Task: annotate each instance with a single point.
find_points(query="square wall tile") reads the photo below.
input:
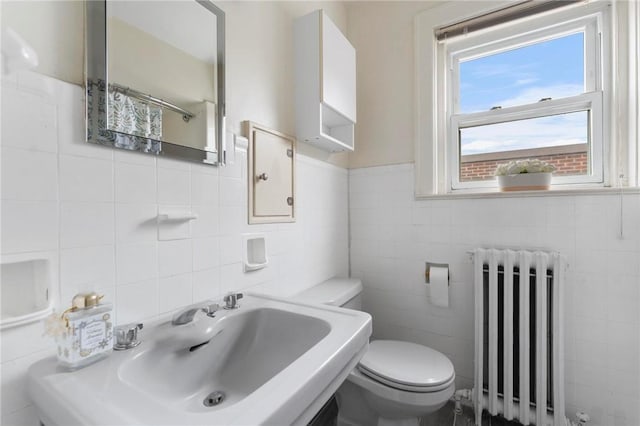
(174, 229)
(29, 175)
(204, 188)
(15, 396)
(136, 223)
(207, 223)
(175, 292)
(206, 253)
(135, 183)
(233, 192)
(87, 265)
(85, 179)
(234, 220)
(137, 301)
(231, 249)
(174, 257)
(170, 163)
(29, 226)
(20, 342)
(134, 157)
(86, 224)
(206, 285)
(174, 186)
(136, 262)
(29, 121)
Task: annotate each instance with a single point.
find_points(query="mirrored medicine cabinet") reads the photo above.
(155, 77)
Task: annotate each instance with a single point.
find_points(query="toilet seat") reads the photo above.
(407, 366)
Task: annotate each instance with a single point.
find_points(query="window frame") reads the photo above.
(620, 41)
(501, 39)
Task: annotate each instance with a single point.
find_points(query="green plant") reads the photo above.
(516, 167)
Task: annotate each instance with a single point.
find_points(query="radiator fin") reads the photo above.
(480, 258)
(508, 336)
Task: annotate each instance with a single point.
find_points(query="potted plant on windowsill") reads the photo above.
(524, 175)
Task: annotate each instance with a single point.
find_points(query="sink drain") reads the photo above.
(213, 399)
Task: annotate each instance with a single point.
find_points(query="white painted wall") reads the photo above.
(392, 236)
(55, 29)
(93, 210)
(382, 33)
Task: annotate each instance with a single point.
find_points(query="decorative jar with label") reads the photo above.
(87, 335)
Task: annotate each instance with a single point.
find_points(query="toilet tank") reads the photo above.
(343, 292)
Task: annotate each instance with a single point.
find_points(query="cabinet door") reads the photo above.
(338, 70)
(271, 171)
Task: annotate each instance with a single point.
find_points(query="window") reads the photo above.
(532, 95)
(539, 86)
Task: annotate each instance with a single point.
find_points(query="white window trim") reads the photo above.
(620, 150)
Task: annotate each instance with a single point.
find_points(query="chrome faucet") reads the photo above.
(186, 315)
(231, 300)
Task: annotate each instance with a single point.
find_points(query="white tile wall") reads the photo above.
(392, 236)
(95, 209)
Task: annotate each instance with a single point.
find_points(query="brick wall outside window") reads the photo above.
(568, 159)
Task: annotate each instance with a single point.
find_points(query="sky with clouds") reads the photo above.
(552, 69)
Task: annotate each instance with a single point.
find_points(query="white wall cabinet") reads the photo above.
(325, 83)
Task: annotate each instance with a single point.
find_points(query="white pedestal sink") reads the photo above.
(272, 361)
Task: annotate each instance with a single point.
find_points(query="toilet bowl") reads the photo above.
(395, 382)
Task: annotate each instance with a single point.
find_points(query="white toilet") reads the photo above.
(395, 382)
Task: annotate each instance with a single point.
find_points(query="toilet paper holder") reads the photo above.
(427, 271)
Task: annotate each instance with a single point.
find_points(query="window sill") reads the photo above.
(553, 192)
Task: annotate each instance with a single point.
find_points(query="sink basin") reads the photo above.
(246, 350)
(272, 361)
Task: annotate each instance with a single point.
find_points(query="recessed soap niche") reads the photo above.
(254, 248)
(27, 288)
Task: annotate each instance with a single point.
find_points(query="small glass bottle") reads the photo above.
(88, 332)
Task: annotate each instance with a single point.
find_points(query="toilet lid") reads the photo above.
(406, 365)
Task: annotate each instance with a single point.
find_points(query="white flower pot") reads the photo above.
(525, 182)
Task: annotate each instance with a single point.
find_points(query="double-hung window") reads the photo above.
(535, 94)
(535, 86)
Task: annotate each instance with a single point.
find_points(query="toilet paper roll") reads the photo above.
(439, 281)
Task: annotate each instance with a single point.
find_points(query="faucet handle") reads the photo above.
(231, 300)
(127, 336)
(211, 310)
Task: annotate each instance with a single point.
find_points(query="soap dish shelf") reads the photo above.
(176, 217)
(254, 252)
(28, 286)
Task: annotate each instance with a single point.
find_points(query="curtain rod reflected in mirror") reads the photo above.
(155, 77)
(128, 91)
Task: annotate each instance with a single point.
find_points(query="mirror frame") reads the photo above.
(96, 70)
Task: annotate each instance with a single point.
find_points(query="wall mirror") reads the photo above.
(155, 77)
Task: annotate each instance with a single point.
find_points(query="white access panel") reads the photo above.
(270, 175)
